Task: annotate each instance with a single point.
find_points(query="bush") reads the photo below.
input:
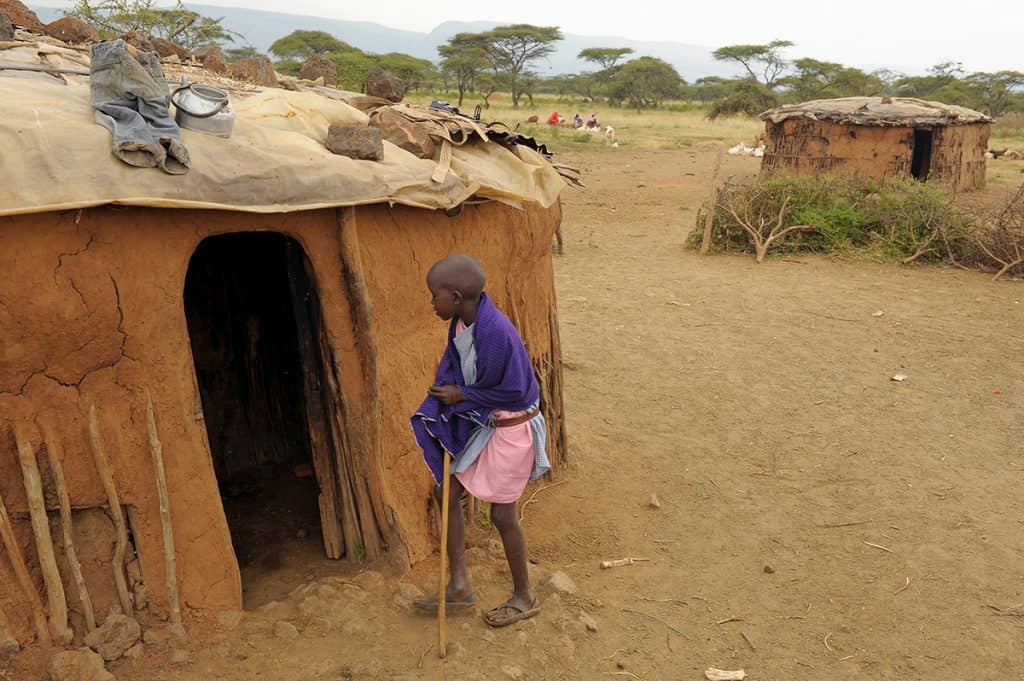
(897, 219)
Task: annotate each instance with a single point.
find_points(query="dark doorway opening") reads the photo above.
(250, 304)
(921, 161)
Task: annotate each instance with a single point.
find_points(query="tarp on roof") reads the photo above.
(880, 111)
(53, 156)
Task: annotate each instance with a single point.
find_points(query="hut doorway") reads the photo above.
(921, 161)
(253, 316)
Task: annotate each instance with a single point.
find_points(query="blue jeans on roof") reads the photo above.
(131, 99)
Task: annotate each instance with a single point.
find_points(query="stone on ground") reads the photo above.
(166, 48)
(212, 58)
(513, 672)
(405, 134)
(78, 665)
(286, 631)
(258, 70)
(562, 583)
(317, 66)
(113, 639)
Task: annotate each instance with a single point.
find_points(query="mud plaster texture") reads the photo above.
(91, 312)
(799, 146)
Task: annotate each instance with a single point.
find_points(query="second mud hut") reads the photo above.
(878, 138)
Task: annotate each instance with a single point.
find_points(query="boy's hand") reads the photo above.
(448, 394)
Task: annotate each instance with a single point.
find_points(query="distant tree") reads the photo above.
(764, 63)
(746, 96)
(300, 44)
(236, 53)
(416, 73)
(352, 65)
(114, 18)
(996, 93)
(709, 88)
(463, 58)
(814, 79)
(646, 81)
(513, 50)
(605, 57)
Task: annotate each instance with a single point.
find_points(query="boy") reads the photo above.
(483, 409)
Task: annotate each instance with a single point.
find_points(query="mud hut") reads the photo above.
(878, 138)
(261, 322)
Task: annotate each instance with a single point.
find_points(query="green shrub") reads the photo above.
(894, 220)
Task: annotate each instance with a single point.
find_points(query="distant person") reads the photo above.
(592, 122)
(554, 118)
(577, 121)
(484, 411)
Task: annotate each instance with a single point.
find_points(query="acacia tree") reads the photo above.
(814, 79)
(512, 51)
(114, 18)
(645, 82)
(300, 44)
(996, 93)
(463, 58)
(605, 57)
(761, 62)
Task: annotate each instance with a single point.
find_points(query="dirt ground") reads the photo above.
(817, 519)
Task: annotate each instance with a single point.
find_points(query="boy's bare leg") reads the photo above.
(459, 588)
(505, 519)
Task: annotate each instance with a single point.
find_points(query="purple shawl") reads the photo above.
(504, 380)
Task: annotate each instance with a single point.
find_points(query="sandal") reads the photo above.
(429, 602)
(512, 613)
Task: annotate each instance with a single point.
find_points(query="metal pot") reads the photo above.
(203, 108)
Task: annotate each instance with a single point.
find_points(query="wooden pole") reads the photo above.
(709, 219)
(442, 580)
(170, 559)
(57, 604)
(21, 574)
(66, 527)
(114, 501)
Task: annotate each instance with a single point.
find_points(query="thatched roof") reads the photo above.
(55, 156)
(878, 111)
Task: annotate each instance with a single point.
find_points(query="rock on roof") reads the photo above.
(878, 111)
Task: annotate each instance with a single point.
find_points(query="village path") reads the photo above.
(817, 520)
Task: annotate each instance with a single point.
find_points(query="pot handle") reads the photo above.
(216, 110)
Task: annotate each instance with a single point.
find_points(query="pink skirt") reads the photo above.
(500, 473)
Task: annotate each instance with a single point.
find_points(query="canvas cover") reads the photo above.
(53, 156)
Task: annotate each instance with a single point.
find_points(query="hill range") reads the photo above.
(261, 29)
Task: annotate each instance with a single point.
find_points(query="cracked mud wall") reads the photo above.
(91, 312)
(398, 246)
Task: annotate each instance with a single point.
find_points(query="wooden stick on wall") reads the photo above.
(170, 560)
(67, 529)
(21, 574)
(56, 600)
(103, 469)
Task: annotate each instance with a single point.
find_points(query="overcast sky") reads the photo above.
(904, 36)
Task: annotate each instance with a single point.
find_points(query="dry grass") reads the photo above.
(653, 129)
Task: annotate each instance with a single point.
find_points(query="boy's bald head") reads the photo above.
(461, 272)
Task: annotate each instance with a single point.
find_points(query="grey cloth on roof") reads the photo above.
(131, 99)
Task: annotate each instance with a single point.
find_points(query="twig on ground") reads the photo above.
(844, 659)
(626, 674)
(622, 562)
(903, 588)
(1013, 611)
(423, 656)
(747, 639)
(663, 600)
(879, 546)
(655, 618)
(825, 641)
(522, 510)
(849, 524)
(729, 619)
(620, 650)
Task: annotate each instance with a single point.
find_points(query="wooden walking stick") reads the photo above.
(21, 574)
(442, 580)
(55, 598)
(66, 528)
(170, 564)
(103, 469)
